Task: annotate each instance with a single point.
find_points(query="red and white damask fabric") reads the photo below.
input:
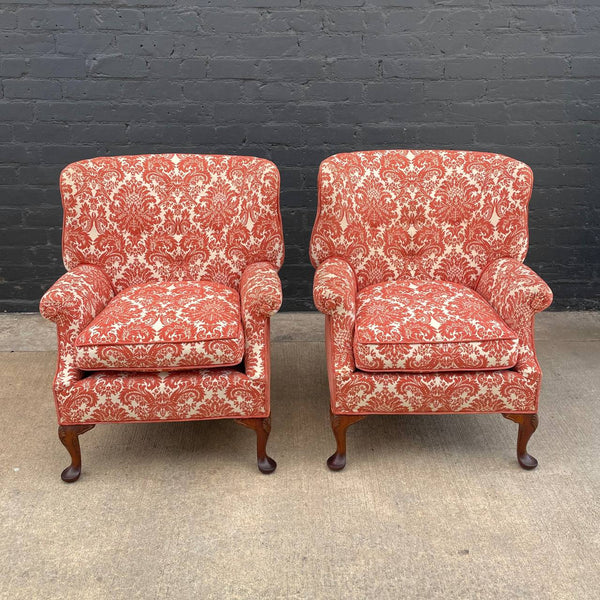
(515, 291)
(517, 294)
(429, 326)
(72, 303)
(420, 393)
(190, 394)
(335, 295)
(260, 291)
(426, 215)
(335, 287)
(169, 325)
(155, 218)
(135, 220)
(358, 392)
(78, 296)
(110, 397)
(421, 214)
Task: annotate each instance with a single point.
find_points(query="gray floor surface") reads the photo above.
(428, 506)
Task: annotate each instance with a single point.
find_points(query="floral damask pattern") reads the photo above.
(157, 247)
(429, 326)
(168, 217)
(169, 325)
(110, 397)
(260, 290)
(515, 291)
(421, 214)
(455, 217)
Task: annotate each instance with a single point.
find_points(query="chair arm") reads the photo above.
(260, 290)
(515, 291)
(72, 303)
(78, 296)
(260, 297)
(334, 289)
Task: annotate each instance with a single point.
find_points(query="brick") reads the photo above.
(122, 19)
(277, 91)
(283, 21)
(455, 90)
(271, 45)
(249, 113)
(574, 44)
(42, 132)
(394, 92)
(13, 67)
(543, 111)
(545, 19)
(212, 91)
(119, 66)
(220, 21)
(114, 133)
(447, 136)
(232, 68)
(274, 134)
(148, 44)
(334, 134)
(355, 68)
(8, 20)
(172, 20)
(312, 113)
(473, 68)
(31, 88)
(92, 89)
(26, 44)
(379, 136)
(55, 18)
(296, 69)
(83, 43)
(347, 20)
(413, 68)
(193, 46)
(57, 67)
(541, 66)
(333, 3)
(161, 133)
(145, 90)
(335, 91)
(330, 45)
(585, 66)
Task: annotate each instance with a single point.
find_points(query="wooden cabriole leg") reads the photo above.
(339, 424)
(262, 427)
(69, 436)
(527, 425)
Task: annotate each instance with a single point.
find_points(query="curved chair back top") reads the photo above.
(167, 217)
(421, 214)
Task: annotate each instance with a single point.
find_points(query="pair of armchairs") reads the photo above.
(172, 279)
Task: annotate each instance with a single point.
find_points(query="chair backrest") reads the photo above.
(421, 214)
(171, 217)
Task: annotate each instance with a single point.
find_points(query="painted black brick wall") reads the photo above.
(296, 81)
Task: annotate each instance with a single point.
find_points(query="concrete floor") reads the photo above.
(428, 507)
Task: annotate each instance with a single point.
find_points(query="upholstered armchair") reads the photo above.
(164, 312)
(419, 271)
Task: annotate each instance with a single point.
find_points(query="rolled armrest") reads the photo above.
(78, 295)
(514, 290)
(260, 290)
(335, 287)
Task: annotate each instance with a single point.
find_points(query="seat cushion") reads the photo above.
(169, 325)
(429, 326)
